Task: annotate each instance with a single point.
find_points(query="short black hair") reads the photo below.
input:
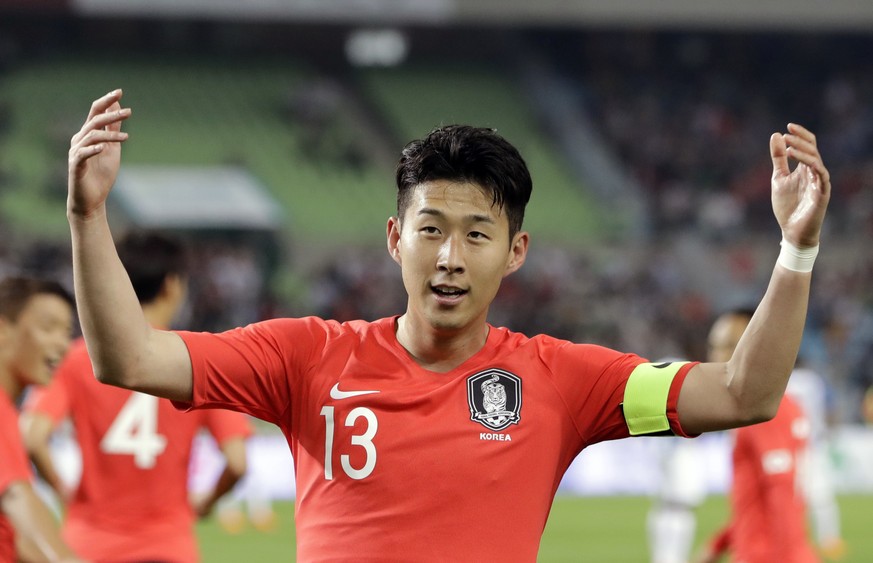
(467, 154)
(149, 257)
(16, 291)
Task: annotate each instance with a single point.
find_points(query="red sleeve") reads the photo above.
(14, 465)
(225, 425)
(673, 401)
(253, 369)
(591, 380)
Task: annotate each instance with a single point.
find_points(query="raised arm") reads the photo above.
(748, 388)
(124, 350)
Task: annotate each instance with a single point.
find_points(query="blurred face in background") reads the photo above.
(724, 336)
(34, 343)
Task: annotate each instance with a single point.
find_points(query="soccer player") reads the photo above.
(36, 320)
(768, 509)
(672, 520)
(809, 389)
(433, 435)
(132, 501)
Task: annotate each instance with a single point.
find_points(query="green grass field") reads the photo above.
(601, 529)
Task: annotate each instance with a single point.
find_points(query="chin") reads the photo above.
(447, 322)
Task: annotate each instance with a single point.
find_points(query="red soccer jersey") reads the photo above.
(397, 463)
(132, 501)
(14, 466)
(769, 516)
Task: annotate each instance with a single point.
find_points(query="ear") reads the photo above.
(517, 252)
(393, 236)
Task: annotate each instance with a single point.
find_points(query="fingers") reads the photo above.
(779, 154)
(802, 146)
(102, 126)
(108, 120)
(101, 104)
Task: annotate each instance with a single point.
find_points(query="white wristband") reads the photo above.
(796, 259)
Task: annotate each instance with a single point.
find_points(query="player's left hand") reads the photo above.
(202, 504)
(800, 196)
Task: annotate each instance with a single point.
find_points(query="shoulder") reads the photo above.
(559, 354)
(313, 325)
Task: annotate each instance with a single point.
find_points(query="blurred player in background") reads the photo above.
(672, 520)
(809, 389)
(132, 501)
(433, 435)
(768, 509)
(36, 322)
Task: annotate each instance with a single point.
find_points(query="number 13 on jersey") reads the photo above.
(364, 440)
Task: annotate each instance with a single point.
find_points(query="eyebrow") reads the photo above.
(475, 218)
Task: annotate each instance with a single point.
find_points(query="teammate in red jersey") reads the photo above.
(768, 508)
(433, 435)
(36, 319)
(132, 501)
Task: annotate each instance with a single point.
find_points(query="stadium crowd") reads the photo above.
(653, 96)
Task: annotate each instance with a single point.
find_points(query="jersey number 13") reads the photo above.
(364, 440)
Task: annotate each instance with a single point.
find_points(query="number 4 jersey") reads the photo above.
(132, 501)
(398, 463)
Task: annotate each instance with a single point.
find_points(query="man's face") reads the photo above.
(725, 335)
(39, 338)
(453, 248)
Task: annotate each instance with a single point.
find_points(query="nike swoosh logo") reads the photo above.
(336, 394)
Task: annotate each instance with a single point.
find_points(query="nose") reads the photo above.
(451, 256)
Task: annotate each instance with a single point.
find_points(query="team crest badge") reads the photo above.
(494, 397)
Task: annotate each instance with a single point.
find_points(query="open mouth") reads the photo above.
(448, 293)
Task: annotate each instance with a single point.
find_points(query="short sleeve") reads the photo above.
(253, 369)
(14, 465)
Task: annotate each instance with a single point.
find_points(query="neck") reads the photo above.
(9, 384)
(440, 350)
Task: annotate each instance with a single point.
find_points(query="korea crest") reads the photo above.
(494, 397)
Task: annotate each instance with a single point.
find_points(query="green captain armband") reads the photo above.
(645, 397)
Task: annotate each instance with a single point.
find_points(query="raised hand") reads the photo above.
(95, 156)
(800, 196)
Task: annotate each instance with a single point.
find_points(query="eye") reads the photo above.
(430, 230)
(477, 235)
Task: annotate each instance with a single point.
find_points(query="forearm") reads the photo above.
(759, 369)
(34, 524)
(44, 464)
(224, 485)
(235, 467)
(115, 330)
(36, 431)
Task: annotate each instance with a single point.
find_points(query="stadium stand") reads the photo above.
(687, 114)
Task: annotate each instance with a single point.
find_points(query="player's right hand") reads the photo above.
(95, 156)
